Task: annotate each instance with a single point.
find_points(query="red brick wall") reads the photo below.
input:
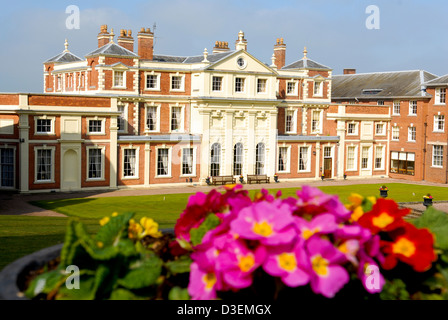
(69, 101)
(9, 99)
(57, 129)
(165, 84)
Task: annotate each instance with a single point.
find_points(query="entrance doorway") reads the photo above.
(328, 162)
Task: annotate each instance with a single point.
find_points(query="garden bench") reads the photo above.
(257, 178)
(223, 180)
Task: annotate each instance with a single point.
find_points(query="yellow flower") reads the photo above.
(115, 214)
(100, 244)
(134, 230)
(104, 221)
(356, 199)
(151, 228)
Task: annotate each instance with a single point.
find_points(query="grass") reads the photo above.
(22, 235)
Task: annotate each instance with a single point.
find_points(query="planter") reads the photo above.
(241, 180)
(12, 277)
(427, 202)
(207, 181)
(276, 179)
(383, 193)
(345, 177)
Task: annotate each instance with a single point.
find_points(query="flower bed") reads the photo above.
(227, 245)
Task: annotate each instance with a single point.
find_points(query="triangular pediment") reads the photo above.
(119, 66)
(241, 61)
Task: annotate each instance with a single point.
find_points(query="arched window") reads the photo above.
(215, 160)
(238, 159)
(259, 158)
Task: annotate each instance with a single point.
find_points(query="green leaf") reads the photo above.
(123, 294)
(394, 290)
(211, 222)
(178, 293)
(143, 273)
(437, 222)
(45, 283)
(182, 265)
(69, 242)
(114, 230)
(85, 291)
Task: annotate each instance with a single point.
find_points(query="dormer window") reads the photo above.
(118, 78)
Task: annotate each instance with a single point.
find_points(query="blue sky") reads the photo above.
(412, 33)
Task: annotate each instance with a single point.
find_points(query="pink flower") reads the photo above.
(290, 265)
(327, 274)
(202, 285)
(368, 272)
(270, 223)
(312, 201)
(324, 223)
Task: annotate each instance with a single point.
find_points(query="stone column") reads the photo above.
(318, 162)
(205, 145)
(251, 143)
(24, 159)
(228, 161)
(272, 155)
(113, 146)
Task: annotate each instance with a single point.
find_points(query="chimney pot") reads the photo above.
(148, 30)
(349, 71)
(279, 53)
(129, 33)
(146, 44)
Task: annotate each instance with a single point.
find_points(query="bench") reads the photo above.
(257, 178)
(223, 180)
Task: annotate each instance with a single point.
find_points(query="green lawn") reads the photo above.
(21, 235)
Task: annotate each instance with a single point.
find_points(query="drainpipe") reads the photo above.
(424, 148)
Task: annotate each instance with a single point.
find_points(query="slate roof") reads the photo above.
(214, 57)
(305, 63)
(443, 80)
(64, 57)
(112, 49)
(381, 85)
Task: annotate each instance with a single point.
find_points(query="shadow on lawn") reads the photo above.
(57, 204)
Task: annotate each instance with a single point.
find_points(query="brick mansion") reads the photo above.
(126, 116)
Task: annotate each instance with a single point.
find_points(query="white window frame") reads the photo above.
(123, 86)
(44, 117)
(137, 163)
(157, 75)
(294, 121)
(288, 159)
(182, 114)
(411, 109)
(103, 152)
(170, 150)
(383, 131)
(244, 84)
(382, 158)
(265, 87)
(396, 103)
(125, 124)
(320, 92)
(355, 133)
(398, 130)
(436, 121)
(440, 156)
(308, 162)
(158, 108)
(103, 126)
(319, 127)
(182, 82)
(14, 170)
(222, 84)
(355, 159)
(369, 158)
(193, 174)
(437, 100)
(53, 163)
(294, 93)
(410, 134)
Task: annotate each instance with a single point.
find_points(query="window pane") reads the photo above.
(176, 118)
(129, 162)
(43, 125)
(350, 158)
(151, 82)
(187, 161)
(303, 158)
(95, 126)
(176, 83)
(215, 160)
(261, 87)
(259, 159)
(162, 162)
(44, 165)
(217, 84)
(238, 159)
(283, 159)
(7, 167)
(95, 165)
(151, 119)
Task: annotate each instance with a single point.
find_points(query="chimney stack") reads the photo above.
(349, 71)
(280, 53)
(221, 46)
(103, 36)
(125, 40)
(146, 44)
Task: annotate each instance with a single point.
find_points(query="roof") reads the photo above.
(305, 63)
(112, 49)
(214, 57)
(64, 57)
(381, 85)
(171, 138)
(302, 138)
(443, 80)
